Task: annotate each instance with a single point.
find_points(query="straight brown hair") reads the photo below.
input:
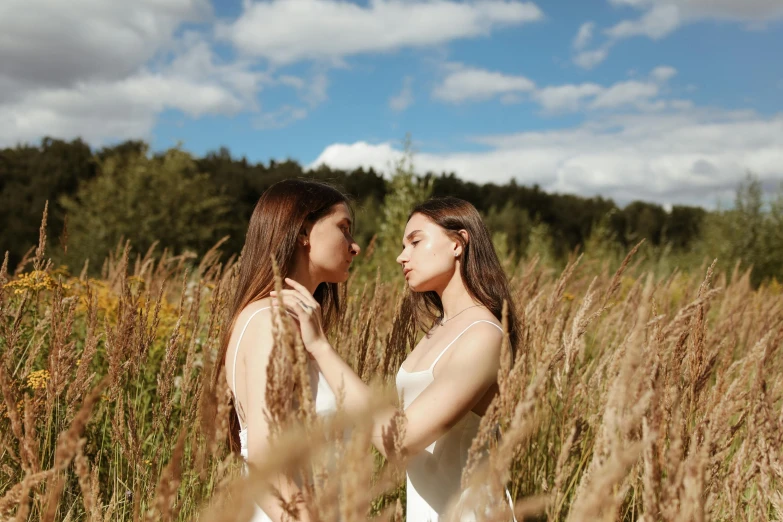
(480, 267)
(277, 220)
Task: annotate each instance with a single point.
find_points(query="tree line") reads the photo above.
(98, 198)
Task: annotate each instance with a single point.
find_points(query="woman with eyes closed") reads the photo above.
(449, 379)
(306, 226)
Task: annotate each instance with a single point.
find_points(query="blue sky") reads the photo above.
(664, 100)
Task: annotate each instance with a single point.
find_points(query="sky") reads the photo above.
(671, 101)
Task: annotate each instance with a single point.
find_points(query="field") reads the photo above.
(633, 396)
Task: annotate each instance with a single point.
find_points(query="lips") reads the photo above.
(406, 272)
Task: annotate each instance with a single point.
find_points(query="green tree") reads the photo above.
(29, 177)
(513, 224)
(144, 200)
(750, 233)
(540, 244)
(405, 190)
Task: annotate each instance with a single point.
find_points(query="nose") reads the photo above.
(355, 249)
(402, 258)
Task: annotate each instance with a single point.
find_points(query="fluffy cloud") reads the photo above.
(584, 35)
(663, 73)
(589, 59)
(566, 97)
(656, 23)
(746, 10)
(470, 83)
(695, 156)
(84, 40)
(624, 93)
(106, 70)
(473, 84)
(285, 31)
(279, 118)
(660, 18)
(404, 99)
(101, 110)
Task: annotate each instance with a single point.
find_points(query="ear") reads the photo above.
(303, 238)
(458, 247)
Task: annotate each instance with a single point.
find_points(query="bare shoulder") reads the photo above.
(478, 347)
(255, 312)
(254, 324)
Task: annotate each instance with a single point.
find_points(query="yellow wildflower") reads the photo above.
(37, 379)
(36, 280)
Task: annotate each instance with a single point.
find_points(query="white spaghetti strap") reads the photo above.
(236, 351)
(432, 367)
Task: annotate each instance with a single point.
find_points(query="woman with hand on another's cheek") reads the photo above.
(449, 379)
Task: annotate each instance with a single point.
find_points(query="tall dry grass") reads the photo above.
(631, 398)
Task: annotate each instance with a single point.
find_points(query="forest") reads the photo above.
(100, 198)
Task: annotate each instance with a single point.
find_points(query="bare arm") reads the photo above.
(462, 380)
(256, 356)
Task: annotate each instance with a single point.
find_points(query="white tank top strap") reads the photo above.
(432, 367)
(236, 351)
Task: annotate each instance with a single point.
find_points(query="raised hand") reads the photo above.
(308, 312)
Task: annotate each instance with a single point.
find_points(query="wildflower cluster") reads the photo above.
(38, 379)
(36, 281)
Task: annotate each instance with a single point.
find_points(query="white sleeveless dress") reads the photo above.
(433, 477)
(325, 403)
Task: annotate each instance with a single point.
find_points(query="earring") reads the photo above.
(456, 254)
(306, 242)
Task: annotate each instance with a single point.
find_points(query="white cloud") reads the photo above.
(404, 98)
(54, 44)
(740, 11)
(584, 35)
(473, 84)
(624, 93)
(285, 31)
(655, 23)
(469, 83)
(589, 59)
(566, 97)
(194, 82)
(663, 73)
(279, 118)
(101, 111)
(312, 91)
(690, 157)
(662, 17)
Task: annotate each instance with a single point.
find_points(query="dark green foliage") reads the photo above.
(190, 203)
(29, 176)
(144, 200)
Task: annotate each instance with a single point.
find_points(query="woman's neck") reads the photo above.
(304, 278)
(455, 297)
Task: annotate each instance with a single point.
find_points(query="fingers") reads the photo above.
(302, 290)
(299, 292)
(296, 305)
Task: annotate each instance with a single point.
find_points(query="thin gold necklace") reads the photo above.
(441, 320)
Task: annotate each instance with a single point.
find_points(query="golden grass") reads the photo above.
(631, 398)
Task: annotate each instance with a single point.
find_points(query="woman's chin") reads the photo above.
(340, 276)
(416, 286)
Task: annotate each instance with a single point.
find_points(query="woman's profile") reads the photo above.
(306, 226)
(447, 382)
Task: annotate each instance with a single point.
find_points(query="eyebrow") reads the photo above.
(410, 236)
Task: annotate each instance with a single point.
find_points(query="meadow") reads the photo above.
(634, 395)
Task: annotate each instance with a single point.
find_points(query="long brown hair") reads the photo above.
(278, 218)
(480, 267)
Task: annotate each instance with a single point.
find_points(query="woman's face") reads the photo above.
(332, 248)
(429, 256)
